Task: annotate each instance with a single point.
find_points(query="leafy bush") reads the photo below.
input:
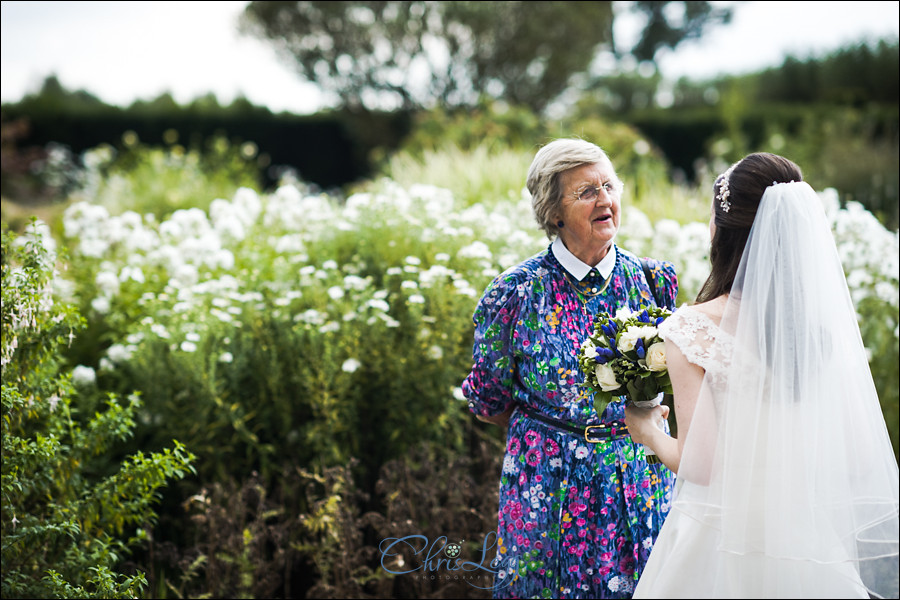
(291, 324)
(69, 515)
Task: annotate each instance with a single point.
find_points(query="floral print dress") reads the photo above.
(578, 518)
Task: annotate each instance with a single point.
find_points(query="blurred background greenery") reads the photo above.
(309, 359)
(836, 115)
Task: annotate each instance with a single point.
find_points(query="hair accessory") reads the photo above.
(783, 182)
(724, 190)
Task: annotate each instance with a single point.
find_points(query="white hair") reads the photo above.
(543, 176)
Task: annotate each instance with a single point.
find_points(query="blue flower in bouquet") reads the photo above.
(624, 357)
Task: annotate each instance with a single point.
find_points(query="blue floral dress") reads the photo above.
(579, 518)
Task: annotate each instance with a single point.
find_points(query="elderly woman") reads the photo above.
(580, 507)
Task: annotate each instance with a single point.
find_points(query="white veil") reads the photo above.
(788, 460)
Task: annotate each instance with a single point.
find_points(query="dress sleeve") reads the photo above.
(489, 386)
(666, 280)
(698, 338)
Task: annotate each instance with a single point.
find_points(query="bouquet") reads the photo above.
(625, 358)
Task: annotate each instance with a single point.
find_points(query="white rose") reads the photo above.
(590, 350)
(606, 377)
(656, 357)
(627, 340)
(624, 313)
(631, 335)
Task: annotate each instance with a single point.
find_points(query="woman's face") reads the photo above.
(712, 219)
(589, 223)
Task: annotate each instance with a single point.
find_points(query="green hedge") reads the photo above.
(328, 149)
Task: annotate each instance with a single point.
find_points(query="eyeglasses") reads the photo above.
(590, 192)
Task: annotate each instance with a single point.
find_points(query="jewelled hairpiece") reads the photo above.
(724, 190)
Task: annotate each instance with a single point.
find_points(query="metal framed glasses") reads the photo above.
(591, 193)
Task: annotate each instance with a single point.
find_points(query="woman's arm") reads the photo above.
(687, 379)
(489, 386)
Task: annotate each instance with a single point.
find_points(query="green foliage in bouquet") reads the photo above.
(69, 516)
(625, 357)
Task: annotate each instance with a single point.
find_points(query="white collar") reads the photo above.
(578, 269)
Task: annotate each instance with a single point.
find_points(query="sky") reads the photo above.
(135, 50)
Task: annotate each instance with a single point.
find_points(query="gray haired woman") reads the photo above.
(580, 507)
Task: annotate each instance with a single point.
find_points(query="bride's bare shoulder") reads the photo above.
(714, 309)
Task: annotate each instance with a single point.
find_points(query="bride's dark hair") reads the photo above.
(747, 181)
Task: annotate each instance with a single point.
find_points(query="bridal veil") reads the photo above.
(788, 484)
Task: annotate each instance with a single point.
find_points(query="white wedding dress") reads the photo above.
(787, 485)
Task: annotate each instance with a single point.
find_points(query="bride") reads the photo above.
(787, 483)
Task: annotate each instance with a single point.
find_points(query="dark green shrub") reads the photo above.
(70, 516)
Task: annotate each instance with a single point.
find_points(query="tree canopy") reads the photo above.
(416, 54)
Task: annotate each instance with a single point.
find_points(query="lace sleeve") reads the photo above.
(699, 339)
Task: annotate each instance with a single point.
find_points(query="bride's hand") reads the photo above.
(644, 423)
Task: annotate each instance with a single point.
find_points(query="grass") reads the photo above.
(487, 175)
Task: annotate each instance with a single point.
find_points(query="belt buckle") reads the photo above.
(607, 430)
(587, 434)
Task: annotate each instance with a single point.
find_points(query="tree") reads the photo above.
(670, 23)
(414, 54)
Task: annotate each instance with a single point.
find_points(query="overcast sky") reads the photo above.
(123, 51)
